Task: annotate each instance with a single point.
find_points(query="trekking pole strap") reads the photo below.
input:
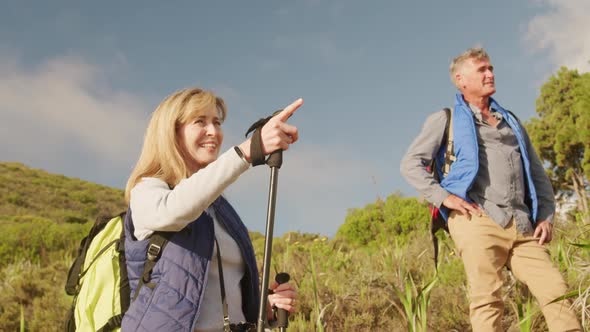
(256, 151)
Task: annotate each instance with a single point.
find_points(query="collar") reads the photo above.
(477, 113)
(496, 110)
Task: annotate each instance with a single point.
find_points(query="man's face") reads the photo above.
(476, 78)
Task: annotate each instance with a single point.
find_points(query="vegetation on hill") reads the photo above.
(43, 217)
(376, 274)
(392, 220)
(31, 192)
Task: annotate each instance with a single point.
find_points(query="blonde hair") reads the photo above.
(477, 53)
(161, 155)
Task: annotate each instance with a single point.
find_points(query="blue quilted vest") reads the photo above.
(464, 170)
(180, 275)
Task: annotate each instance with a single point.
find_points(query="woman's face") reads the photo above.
(201, 138)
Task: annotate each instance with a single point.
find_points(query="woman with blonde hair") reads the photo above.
(206, 274)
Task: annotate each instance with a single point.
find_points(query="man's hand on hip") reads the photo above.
(544, 231)
(454, 202)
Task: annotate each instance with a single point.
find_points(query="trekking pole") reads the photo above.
(274, 162)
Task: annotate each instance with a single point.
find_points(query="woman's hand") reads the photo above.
(283, 297)
(276, 134)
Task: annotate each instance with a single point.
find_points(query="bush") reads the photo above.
(37, 239)
(385, 222)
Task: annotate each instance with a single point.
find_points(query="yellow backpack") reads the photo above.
(98, 279)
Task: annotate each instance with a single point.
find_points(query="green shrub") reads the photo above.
(385, 222)
(38, 239)
(16, 199)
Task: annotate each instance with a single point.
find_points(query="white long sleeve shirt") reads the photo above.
(156, 207)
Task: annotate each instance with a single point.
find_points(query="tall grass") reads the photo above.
(317, 305)
(580, 267)
(524, 306)
(22, 318)
(341, 287)
(415, 301)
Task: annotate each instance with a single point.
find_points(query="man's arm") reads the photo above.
(545, 196)
(420, 154)
(542, 184)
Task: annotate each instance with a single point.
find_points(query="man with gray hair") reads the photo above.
(496, 198)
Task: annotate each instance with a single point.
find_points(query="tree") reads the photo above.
(561, 133)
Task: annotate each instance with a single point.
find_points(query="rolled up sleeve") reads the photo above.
(420, 154)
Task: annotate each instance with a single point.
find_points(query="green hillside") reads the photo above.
(376, 274)
(26, 192)
(43, 217)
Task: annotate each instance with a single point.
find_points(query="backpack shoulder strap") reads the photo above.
(436, 221)
(448, 139)
(448, 114)
(158, 241)
(112, 324)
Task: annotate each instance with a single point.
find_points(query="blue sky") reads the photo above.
(78, 81)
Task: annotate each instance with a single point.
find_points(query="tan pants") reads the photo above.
(486, 248)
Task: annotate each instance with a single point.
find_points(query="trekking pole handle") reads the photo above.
(275, 159)
(282, 314)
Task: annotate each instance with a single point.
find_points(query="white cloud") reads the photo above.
(563, 31)
(62, 110)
